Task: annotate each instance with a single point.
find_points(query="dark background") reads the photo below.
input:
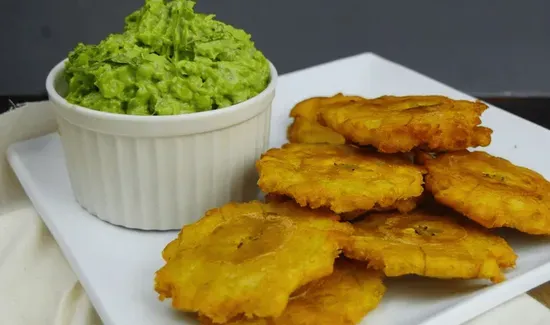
(481, 46)
(485, 48)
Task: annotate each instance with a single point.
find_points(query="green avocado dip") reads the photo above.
(169, 60)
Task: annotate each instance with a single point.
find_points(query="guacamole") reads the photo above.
(169, 60)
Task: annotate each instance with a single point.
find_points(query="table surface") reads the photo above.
(542, 294)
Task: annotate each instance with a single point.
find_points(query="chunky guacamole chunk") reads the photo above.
(169, 60)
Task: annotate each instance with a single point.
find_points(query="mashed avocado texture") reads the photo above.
(169, 60)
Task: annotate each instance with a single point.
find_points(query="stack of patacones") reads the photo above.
(367, 188)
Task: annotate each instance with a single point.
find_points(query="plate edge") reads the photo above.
(19, 168)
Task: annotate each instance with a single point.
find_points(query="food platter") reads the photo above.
(116, 265)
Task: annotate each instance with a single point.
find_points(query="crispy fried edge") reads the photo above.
(338, 234)
(406, 138)
(485, 216)
(489, 269)
(402, 204)
(343, 268)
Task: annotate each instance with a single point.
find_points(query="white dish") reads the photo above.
(186, 163)
(116, 265)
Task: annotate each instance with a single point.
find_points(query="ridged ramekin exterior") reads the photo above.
(163, 183)
(160, 173)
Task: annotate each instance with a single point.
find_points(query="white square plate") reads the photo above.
(116, 266)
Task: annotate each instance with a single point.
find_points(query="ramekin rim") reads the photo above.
(56, 97)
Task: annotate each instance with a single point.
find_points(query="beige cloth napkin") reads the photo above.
(37, 286)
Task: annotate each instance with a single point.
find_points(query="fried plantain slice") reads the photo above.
(342, 298)
(307, 127)
(275, 198)
(248, 258)
(402, 206)
(340, 177)
(491, 191)
(303, 130)
(400, 123)
(309, 108)
(429, 242)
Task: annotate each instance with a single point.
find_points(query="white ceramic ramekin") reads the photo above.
(161, 172)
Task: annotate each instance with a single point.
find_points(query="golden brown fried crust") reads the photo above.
(342, 298)
(308, 128)
(339, 177)
(420, 157)
(403, 206)
(275, 198)
(399, 124)
(400, 205)
(347, 216)
(248, 258)
(303, 130)
(309, 108)
(491, 191)
(430, 244)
